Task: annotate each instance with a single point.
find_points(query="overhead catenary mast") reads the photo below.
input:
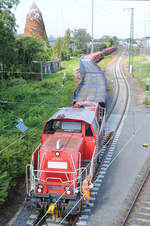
(131, 53)
(92, 48)
(130, 49)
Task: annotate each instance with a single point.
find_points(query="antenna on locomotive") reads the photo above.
(58, 144)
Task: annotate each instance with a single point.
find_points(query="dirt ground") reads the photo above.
(14, 200)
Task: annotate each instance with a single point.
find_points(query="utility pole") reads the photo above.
(92, 48)
(131, 54)
(146, 37)
(130, 50)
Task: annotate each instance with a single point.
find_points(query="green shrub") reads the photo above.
(4, 184)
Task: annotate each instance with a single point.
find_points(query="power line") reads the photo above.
(23, 102)
(22, 72)
(15, 141)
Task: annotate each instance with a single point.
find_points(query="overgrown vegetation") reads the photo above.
(34, 102)
(141, 71)
(103, 63)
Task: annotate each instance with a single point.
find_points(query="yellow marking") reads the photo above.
(145, 145)
(53, 210)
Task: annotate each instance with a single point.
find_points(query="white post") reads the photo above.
(130, 69)
(41, 70)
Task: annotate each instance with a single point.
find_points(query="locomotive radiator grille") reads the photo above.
(57, 187)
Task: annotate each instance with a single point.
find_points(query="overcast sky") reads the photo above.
(110, 16)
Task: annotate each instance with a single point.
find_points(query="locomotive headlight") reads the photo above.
(57, 153)
(68, 190)
(40, 188)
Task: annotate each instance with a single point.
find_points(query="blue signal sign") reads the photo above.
(21, 127)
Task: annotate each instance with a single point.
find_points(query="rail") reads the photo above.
(135, 199)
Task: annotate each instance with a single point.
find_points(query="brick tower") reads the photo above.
(34, 26)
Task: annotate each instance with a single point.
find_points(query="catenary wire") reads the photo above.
(21, 136)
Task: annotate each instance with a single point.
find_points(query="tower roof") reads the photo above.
(34, 8)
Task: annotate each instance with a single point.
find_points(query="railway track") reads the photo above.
(114, 122)
(113, 126)
(139, 211)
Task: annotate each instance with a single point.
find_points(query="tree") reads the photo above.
(81, 38)
(7, 31)
(28, 50)
(114, 40)
(107, 40)
(58, 48)
(67, 39)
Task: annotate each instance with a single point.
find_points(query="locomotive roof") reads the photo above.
(81, 114)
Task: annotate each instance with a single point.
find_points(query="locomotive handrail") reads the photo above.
(73, 164)
(51, 171)
(27, 179)
(55, 178)
(58, 178)
(42, 160)
(66, 176)
(46, 171)
(32, 178)
(102, 125)
(38, 147)
(92, 162)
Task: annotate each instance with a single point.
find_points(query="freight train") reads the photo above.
(99, 55)
(62, 167)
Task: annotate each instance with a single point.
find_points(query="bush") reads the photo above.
(4, 183)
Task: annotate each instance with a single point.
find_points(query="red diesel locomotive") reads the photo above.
(71, 140)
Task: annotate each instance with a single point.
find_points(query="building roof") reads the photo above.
(81, 114)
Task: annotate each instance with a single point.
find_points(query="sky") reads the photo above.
(111, 17)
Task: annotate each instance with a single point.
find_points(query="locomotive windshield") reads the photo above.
(63, 126)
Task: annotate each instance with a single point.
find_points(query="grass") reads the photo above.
(141, 71)
(103, 63)
(34, 102)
